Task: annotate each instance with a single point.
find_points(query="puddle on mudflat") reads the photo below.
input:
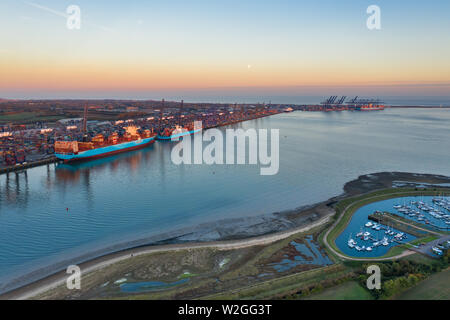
(309, 253)
(139, 287)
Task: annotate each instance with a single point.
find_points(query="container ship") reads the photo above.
(100, 147)
(370, 107)
(178, 131)
(170, 132)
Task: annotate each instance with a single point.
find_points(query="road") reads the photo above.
(426, 249)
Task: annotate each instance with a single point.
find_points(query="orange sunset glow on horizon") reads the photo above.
(127, 51)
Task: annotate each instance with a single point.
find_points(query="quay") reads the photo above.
(26, 165)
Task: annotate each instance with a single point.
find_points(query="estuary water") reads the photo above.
(56, 213)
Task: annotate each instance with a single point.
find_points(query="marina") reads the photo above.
(372, 239)
(365, 238)
(430, 211)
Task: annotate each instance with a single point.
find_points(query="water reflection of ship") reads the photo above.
(71, 172)
(15, 190)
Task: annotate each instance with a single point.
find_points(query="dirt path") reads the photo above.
(58, 279)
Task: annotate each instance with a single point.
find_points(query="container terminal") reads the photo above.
(28, 144)
(31, 129)
(355, 104)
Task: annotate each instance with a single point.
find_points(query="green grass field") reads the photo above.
(283, 286)
(420, 258)
(350, 290)
(424, 240)
(436, 287)
(23, 117)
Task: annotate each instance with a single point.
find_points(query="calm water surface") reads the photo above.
(57, 212)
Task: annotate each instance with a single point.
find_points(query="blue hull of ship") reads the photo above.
(181, 134)
(106, 151)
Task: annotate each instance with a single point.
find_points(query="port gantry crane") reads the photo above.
(84, 130)
(85, 119)
(355, 102)
(331, 102)
(180, 113)
(161, 115)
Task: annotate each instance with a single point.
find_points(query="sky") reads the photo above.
(158, 48)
